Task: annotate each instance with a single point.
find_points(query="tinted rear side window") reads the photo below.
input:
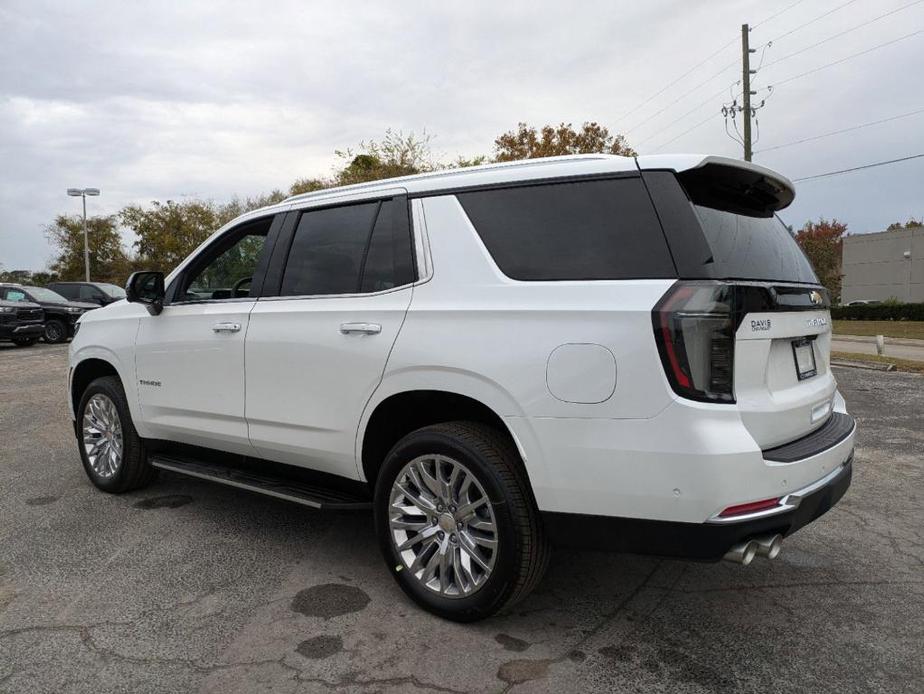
(353, 249)
(754, 248)
(585, 230)
(68, 291)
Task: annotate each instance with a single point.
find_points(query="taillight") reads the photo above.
(694, 329)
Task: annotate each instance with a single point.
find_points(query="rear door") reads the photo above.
(319, 339)
(721, 227)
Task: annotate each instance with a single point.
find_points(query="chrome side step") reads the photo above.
(310, 495)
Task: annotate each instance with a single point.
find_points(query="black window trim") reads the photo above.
(259, 274)
(275, 272)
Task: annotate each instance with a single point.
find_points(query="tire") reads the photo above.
(55, 332)
(132, 470)
(521, 551)
(24, 341)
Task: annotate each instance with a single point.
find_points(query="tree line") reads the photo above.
(167, 231)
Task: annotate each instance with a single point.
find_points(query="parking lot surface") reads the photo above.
(189, 586)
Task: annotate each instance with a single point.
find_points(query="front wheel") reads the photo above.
(113, 454)
(55, 332)
(24, 341)
(457, 522)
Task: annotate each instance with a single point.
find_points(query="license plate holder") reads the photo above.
(803, 353)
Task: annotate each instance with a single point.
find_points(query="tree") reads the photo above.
(108, 261)
(551, 141)
(394, 155)
(822, 241)
(912, 223)
(168, 232)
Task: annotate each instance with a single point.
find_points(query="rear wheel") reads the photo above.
(113, 454)
(24, 341)
(457, 522)
(55, 332)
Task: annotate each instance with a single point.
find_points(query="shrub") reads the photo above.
(885, 311)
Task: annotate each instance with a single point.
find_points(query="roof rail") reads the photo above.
(447, 173)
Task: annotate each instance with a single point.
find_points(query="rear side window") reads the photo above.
(585, 230)
(347, 250)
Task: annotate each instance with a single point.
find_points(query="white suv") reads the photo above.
(629, 353)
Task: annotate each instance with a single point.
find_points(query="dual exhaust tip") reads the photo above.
(768, 546)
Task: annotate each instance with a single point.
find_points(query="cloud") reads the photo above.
(191, 98)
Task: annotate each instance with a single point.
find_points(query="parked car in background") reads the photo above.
(21, 322)
(601, 351)
(101, 293)
(60, 314)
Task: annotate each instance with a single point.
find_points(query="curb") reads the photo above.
(868, 365)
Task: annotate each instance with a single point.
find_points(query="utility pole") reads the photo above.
(746, 89)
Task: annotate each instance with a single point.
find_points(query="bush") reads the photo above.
(885, 311)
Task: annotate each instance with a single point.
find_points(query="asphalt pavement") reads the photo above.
(189, 586)
(893, 347)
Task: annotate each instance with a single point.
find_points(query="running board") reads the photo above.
(313, 496)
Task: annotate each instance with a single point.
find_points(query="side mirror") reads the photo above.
(146, 288)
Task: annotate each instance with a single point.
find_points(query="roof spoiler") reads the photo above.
(727, 184)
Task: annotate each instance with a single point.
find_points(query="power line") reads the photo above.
(689, 130)
(660, 92)
(844, 33)
(844, 130)
(692, 90)
(812, 21)
(680, 118)
(849, 57)
(858, 168)
(774, 16)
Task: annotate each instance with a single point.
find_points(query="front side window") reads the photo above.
(582, 230)
(15, 295)
(113, 291)
(349, 250)
(226, 269)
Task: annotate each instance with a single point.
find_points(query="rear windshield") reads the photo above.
(754, 248)
(586, 230)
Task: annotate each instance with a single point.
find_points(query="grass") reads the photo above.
(889, 328)
(900, 364)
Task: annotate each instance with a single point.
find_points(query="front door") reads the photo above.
(317, 351)
(189, 359)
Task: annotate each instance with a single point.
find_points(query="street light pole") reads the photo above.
(83, 193)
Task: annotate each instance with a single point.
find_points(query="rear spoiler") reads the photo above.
(726, 184)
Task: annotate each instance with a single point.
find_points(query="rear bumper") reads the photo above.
(697, 541)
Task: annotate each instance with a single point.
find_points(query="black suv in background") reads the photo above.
(101, 293)
(21, 322)
(60, 314)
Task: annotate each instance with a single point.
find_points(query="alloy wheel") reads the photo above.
(443, 526)
(102, 435)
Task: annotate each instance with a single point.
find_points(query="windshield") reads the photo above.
(42, 294)
(112, 290)
(753, 248)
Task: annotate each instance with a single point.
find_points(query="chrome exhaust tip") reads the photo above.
(742, 553)
(769, 546)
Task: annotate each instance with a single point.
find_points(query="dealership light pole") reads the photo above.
(83, 193)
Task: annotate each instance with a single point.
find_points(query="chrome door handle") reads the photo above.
(362, 328)
(226, 327)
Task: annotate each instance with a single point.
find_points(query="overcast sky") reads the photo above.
(163, 100)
